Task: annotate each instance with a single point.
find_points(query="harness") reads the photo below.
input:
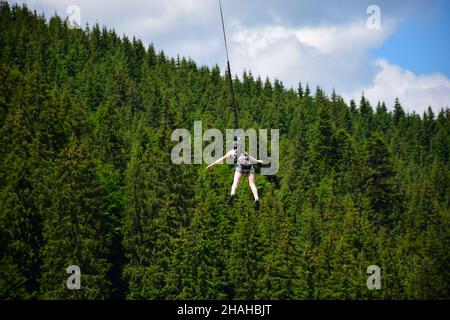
(242, 161)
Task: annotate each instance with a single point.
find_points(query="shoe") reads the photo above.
(257, 205)
(230, 199)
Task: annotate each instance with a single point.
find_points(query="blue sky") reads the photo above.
(421, 43)
(322, 42)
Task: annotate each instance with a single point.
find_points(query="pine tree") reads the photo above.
(205, 251)
(246, 264)
(74, 230)
(378, 180)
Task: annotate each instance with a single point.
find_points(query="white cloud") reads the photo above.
(329, 56)
(136, 17)
(168, 16)
(344, 39)
(336, 56)
(184, 27)
(415, 92)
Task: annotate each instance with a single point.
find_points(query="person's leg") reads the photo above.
(251, 182)
(236, 180)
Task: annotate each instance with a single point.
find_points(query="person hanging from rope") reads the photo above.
(244, 162)
(244, 166)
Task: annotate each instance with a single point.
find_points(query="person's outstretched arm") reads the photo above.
(253, 159)
(220, 159)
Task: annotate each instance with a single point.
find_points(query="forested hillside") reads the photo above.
(86, 178)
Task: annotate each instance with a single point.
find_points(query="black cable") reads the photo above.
(233, 98)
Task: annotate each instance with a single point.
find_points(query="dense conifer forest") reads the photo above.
(86, 179)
